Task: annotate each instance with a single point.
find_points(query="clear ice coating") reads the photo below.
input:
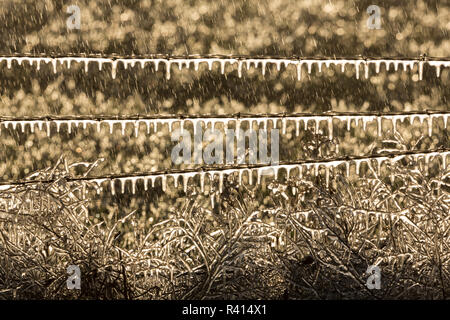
(301, 169)
(240, 64)
(266, 122)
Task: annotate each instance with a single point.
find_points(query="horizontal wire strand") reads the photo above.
(240, 61)
(392, 156)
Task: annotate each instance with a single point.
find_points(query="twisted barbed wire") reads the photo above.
(223, 60)
(268, 120)
(300, 167)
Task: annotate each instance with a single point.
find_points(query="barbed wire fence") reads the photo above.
(56, 185)
(158, 121)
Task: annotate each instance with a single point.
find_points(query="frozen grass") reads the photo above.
(310, 242)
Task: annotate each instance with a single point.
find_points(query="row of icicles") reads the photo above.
(240, 62)
(267, 122)
(268, 170)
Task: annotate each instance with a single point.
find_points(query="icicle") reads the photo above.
(357, 69)
(111, 126)
(297, 127)
(278, 64)
(164, 182)
(240, 177)
(438, 71)
(122, 181)
(146, 183)
(349, 123)
(47, 124)
(316, 169)
(327, 176)
(309, 64)
(300, 171)
(222, 66)
(54, 65)
(358, 165)
(430, 126)
(363, 119)
(240, 69)
(299, 71)
(283, 130)
(347, 168)
(394, 123)
(421, 70)
(263, 68)
(405, 66)
(152, 180)
(114, 69)
(156, 63)
(220, 182)
(366, 70)
(396, 65)
(113, 191)
(168, 65)
(377, 66)
(100, 65)
(133, 185)
(86, 66)
(379, 125)
(379, 162)
(330, 127)
(136, 128)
